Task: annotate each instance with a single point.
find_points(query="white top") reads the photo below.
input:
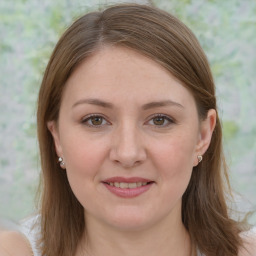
(31, 229)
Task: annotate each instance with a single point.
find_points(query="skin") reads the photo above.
(10, 238)
(129, 141)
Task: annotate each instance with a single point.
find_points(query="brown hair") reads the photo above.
(163, 38)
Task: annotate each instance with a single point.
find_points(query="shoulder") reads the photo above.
(13, 243)
(249, 243)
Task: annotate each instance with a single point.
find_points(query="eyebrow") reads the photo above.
(146, 106)
(164, 103)
(96, 102)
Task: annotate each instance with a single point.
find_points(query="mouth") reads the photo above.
(128, 187)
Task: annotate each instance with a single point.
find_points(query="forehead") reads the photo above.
(120, 73)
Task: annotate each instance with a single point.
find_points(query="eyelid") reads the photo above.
(167, 117)
(88, 117)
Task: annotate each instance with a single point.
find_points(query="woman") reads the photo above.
(131, 144)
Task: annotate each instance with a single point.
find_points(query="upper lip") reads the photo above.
(126, 180)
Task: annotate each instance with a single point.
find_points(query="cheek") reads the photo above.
(174, 157)
(83, 157)
(174, 163)
(176, 149)
(83, 165)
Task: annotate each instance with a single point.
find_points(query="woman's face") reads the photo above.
(129, 134)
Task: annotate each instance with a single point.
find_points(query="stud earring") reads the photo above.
(199, 158)
(61, 162)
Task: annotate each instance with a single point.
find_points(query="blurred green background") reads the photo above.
(29, 30)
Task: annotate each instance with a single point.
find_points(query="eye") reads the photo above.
(95, 121)
(161, 120)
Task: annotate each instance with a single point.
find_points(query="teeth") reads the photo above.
(124, 185)
(117, 184)
(127, 185)
(132, 185)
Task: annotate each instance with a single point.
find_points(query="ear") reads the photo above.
(205, 134)
(53, 128)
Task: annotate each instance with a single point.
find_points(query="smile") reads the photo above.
(127, 187)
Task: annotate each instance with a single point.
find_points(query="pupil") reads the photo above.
(159, 120)
(96, 120)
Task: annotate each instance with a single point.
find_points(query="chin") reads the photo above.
(131, 221)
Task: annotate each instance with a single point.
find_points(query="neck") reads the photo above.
(163, 239)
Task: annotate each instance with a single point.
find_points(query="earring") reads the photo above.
(199, 158)
(61, 162)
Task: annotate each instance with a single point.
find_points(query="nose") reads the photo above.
(127, 147)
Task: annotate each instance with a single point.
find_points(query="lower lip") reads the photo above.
(128, 192)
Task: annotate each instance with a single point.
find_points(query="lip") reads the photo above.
(126, 179)
(128, 192)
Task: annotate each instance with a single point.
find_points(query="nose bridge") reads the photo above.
(127, 138)
(127, 147)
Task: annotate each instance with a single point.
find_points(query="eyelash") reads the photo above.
(165, 117)
(89, 118)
